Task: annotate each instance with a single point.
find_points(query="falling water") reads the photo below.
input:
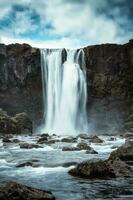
(64, 91)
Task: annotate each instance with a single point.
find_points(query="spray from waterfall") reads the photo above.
(64, 91)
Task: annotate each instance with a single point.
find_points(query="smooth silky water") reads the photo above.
(52, 174)
(64, 91)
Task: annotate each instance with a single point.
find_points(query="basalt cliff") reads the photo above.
(109, 84)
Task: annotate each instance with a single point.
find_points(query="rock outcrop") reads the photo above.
(102, 169)
(19, 124)
(20, 80)
(13, 191)
(113, 167)
(110, 86)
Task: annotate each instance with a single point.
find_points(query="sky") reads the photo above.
(65, 23)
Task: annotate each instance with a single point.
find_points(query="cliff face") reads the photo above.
(20, 79)
(110, 85)
(109, 80)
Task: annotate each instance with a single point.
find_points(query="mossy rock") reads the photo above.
(19, 124)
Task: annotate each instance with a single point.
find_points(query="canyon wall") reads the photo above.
(109, 82)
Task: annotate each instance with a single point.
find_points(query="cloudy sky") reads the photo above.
(66, 23)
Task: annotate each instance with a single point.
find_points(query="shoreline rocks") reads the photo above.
(117, 165)
(13, 191)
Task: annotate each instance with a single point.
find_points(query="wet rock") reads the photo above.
(32, 163)
(124, 152)
(91, 151)
(96, 139)
(70, 149)
(15, 191)
(69, 140)
(112, 139)
(42, 140)
(6, 140)
(28, 146)
(83, 146)
(28, 163)
(83, 136)
(45, 135)
(102, 169)
(68, 164)
(16, 140)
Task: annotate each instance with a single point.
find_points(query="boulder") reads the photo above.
(124, 152)
(69, 140)
(45, 135)
(16, 191)
(117, 165)
(19, 124)
(83, 146)
(6, 140)
(23, 123)
(27, 163)
(70, 149)
(91, 151)
(42, 140)
(96, 139)
(16, 140)
(102, 169)
(28, 146)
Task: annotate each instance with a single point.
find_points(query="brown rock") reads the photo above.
(28, 146)
(70, 149)
(83, 146)
(96, 139)
(15, 191)
(69, 140)
(102, 169)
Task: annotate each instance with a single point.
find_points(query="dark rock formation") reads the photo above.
(95, 139)
(101, 169)
(125, 152)
(113, 167)
(109, 82)
(83, 146)
(28, 146)
(19, 124)
(20, 80)
(70, 149)
(42, 140)
(69, 140)
(110, 86)
(28, 163)
(13, 191)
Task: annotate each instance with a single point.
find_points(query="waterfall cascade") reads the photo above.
(64, 91)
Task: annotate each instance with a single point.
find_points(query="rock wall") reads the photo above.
(110, 85)
(20, 80)
(109, 81)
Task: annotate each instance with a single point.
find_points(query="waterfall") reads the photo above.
(64, 91)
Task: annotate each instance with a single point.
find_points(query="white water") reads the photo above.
(64, 91)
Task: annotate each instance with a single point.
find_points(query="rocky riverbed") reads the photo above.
(43, 162)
